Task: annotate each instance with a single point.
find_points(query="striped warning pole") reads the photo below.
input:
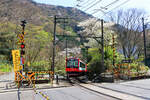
(113, 45)
(35, 90)
(45, 96)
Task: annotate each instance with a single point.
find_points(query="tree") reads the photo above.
(128, 27)
(7, 39)
(38, 46)
(92, 27)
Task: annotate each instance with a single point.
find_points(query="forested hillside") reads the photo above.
(35, 13)
(39, 29)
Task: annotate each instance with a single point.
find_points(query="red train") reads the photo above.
(75, 67)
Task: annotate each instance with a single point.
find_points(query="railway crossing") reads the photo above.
(29, 78)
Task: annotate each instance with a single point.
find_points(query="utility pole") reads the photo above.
(144, 39)
(66, 48)
(66, 38)
(56, 20)
(102, 41)
(54, 43)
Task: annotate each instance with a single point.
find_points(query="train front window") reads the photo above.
(72, 63)
(82, 65)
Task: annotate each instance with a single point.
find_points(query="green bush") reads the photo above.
(40, 65)
(4, 67)
(136, 68)
(60, 66)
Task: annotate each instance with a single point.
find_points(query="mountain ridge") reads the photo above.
(36, 13)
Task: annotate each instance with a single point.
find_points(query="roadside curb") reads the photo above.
(113, 93)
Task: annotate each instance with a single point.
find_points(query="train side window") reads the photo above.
(76, 63)
(72, 63)
(68, 63)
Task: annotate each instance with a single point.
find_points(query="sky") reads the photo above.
(85, 5)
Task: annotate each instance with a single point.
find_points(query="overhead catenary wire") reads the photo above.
(75, 7)
(111, 3)
(105, 13)
(96, 4)
(105, 7)
(83, 3)
(87, 3)
(93, 5)
(97, 10)
(111, 10)
(116, 7)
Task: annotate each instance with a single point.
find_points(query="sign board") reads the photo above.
(16, 60)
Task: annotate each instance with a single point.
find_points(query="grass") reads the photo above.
(4, 67)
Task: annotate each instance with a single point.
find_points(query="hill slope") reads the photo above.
(39, 28)
(35, 13)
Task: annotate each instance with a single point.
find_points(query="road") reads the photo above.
(138, 88)
(6, 79)
(68, 93)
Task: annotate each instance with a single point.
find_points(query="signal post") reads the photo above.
(19, 55)
(113, 46)
(22, 44)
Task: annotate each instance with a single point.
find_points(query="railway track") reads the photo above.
(104, 91)
(77, 82)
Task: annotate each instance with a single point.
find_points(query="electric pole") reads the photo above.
(66, 37)
(144, 39)
(56, 20)
(102, 41)
(54, 39)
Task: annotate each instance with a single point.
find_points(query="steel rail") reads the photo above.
(76, 83)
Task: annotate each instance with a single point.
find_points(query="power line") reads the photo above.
(97, 11)
(111, 9)
(92, 5)
(116, 7)
(105, 7)
(84, 2)
(111, 4)
(87, 3)
(75, 7)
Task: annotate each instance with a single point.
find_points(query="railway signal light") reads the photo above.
(22, 46)
(23, 23)
(22, 52)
